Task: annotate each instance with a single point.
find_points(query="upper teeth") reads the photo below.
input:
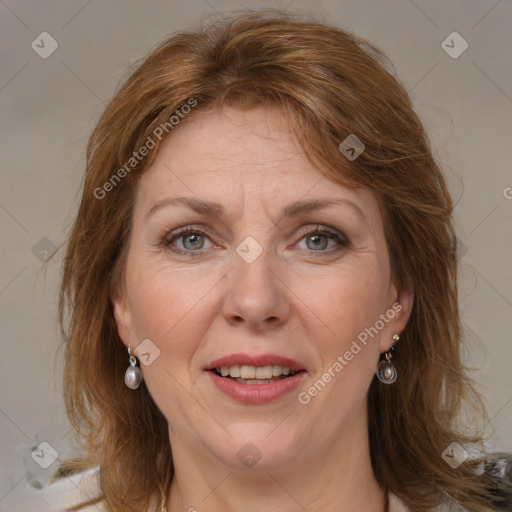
(253, 372)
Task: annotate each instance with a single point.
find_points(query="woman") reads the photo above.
(261, 286)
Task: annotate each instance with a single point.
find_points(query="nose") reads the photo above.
(256, 295)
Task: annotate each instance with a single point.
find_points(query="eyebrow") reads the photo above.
(295, 209)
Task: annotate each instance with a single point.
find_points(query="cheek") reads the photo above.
(165, 303)
(350, 298)
(352, 302)
(168, 309)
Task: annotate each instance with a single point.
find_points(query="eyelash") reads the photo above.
(189, 230)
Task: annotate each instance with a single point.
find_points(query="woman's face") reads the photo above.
(252, 290)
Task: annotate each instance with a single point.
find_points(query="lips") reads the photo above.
(267, 377)
(256, 360)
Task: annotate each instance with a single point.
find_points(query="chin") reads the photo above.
(256, 449)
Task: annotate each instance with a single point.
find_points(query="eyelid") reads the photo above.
(318, 228)
(192, 228)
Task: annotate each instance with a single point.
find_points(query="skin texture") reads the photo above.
(303, 298)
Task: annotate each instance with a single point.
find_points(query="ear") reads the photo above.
(399, 307)
(123, 317)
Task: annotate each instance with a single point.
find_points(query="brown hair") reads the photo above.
(331, 84)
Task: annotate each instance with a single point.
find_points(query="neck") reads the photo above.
(325, 478)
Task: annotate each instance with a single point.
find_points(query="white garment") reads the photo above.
(56, 497)
(80, 487)
(396, 504)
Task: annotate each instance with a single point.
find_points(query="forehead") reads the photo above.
(235, 144)
(232, 157)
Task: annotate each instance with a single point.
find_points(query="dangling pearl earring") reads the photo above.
(133, 374)
(386, 371)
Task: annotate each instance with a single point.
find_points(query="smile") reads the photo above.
(254, 374)
(255, 379)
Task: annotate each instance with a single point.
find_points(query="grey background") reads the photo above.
(49, 106)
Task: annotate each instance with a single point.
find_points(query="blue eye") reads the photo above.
(317, 240)
(192, 241)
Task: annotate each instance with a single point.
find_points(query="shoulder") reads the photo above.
(69, 491)
(498, 466)
(66, 492)
(397, 505)
(73, 490)
(79, 488)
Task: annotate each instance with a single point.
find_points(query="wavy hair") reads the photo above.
(330, 84)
